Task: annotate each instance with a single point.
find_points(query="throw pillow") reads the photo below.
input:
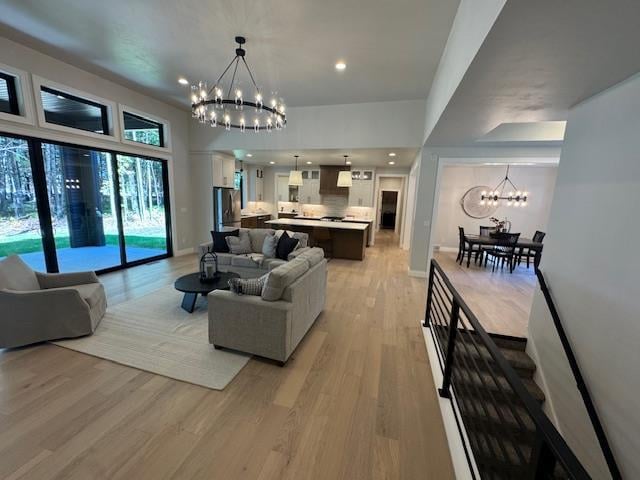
(286, 245)
(257, 236)
(220, 242)
(248, 286)
(303, 238)
(269, 246)
(239, 245)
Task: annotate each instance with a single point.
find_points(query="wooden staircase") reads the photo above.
(501, 434)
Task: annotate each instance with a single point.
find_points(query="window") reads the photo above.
(64, 109)
(142, 130)
(68, 208)
(8, 95)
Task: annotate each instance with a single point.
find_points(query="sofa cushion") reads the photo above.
(248, 286)
(269, 246)
(92, 293)
(297, 252)
(220, 240)
(241, 244)
(253, 260)
(281, 277)
(286, 245)
(225, 258)
(17, 275)
(313, 255)
(271, 263)
(257, 236)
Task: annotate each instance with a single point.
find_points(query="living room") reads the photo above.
(218, 225)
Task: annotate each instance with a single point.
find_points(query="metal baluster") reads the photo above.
(427, 313)
(448, 367)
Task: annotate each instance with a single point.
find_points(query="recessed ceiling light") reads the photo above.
(392, 154)
(309, 163)
(341, 66)
(249, 155)
(272, 163)
(183, 81)
(392, 163)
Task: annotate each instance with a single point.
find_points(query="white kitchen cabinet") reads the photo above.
(361, 191)
(224, 170)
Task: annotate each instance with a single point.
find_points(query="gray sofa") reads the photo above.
(272, 328)
(255, 264)
(35, 306)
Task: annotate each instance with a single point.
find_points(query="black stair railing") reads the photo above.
(507, 431)
(580, 382)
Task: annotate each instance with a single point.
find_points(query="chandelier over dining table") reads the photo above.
(514, 197)
(227, 104)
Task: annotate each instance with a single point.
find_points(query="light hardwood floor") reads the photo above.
(356, 401)
(501, 300)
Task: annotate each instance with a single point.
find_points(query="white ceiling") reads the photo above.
(375, 157)
(541, 58)
(392, 48)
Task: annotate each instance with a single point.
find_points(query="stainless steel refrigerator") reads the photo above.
(226, 209)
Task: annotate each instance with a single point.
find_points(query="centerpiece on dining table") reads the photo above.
(501, 225)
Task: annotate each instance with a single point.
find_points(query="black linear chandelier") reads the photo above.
(224, 103)
(515, 197)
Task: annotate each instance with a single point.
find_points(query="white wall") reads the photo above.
(592, 266)
(33, 62)
(471, 25)
(456, 180)
(361, 125)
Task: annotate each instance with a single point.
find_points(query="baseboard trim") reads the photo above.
(418, 273)
(447, 249)
(184, 251)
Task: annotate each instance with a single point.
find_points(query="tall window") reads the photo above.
(8, 95)
(64, 109)
(142, 130)
(75, 208)
(19, 225)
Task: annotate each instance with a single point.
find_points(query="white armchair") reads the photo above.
(36, 307)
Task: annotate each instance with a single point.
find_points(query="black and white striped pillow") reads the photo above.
(248, 286)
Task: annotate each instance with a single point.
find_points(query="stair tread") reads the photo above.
(485, 380)
(518, 359)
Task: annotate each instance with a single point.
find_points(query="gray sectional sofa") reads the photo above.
(272, 325)
(254, 264)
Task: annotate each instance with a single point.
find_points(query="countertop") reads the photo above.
(319, 223)
(249, 215)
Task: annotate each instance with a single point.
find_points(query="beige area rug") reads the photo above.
(153, 333)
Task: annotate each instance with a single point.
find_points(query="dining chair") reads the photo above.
(527, 252)
(503, 251)
(464, 247)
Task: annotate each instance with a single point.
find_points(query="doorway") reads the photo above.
(389, 210)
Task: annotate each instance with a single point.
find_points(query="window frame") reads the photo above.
(24, 98)
(166, 129)
(44, 213)
(111, 132)
(12, 90)
(104, 112)
(140, 117)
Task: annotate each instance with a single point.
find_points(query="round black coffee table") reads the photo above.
(192, 287)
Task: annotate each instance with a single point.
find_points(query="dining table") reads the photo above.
(487, 241)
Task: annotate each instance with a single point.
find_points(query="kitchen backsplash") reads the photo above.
(332, 206)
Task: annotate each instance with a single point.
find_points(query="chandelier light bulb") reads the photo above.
(214, 121)
(482, 202)
(256, 125)
(242, 124)
(524, 204)
(273, 103)
(227, 122)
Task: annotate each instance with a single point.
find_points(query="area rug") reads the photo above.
(153, 333)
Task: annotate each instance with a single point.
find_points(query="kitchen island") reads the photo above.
(348, 240)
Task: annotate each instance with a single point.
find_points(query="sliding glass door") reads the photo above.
(73, 208)
(19, 222)
(144, 218)
(82, 204)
